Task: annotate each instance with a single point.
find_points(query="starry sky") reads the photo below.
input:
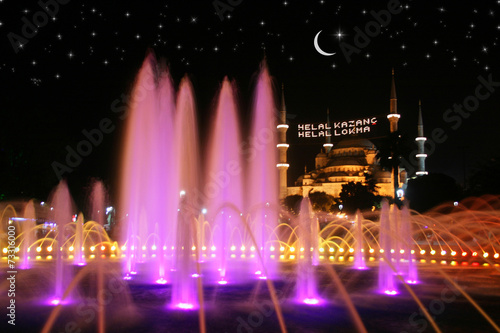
(62, 77)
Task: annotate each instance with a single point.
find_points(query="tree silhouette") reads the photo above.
(391, 150)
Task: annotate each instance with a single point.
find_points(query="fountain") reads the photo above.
(205, 246)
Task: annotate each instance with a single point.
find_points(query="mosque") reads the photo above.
(349, 160)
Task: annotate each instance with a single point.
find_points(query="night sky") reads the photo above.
(64, 78)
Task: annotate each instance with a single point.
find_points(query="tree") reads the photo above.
(320, 201)
(357, 196)
(292, 203)
(426, 192)
(391, 150)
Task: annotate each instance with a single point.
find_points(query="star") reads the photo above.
(290, 58)
(485, 49)
(403, 46)
(339, 34)
(71, 54)
(127, 14)
(57, 76)
(262, 23)
(194, 19)
(137, 36)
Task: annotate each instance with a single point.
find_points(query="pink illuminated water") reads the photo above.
(306, 283)
(223, 183)
(359, 260)
(61, 214)
(98, 202)
(149, 192)
(187, 158)
(262, 182)
(386, 281)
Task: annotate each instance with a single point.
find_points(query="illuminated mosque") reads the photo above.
(349, 160)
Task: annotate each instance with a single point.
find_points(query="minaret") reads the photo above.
(328, 144)
(420, 139)
(393, 116)
(282, 147)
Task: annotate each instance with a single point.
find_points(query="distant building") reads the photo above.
(349, 160)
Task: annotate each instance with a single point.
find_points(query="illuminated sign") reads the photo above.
(340, 128)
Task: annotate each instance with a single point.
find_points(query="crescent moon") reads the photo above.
(316, 46)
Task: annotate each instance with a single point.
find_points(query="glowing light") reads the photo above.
(351, 250)
(132, 248)
(292, 249)
(474, 254)
(443, 252)
(411, 281)
(213, 248)
(282, 165)
(242, 248)
(49, 248)
(433, 252)
(38, 249)
(301, 249)
(464, 254)
(252, 248)
(204, 248)
(258, 272)
(284, 145)
(223, 282)
(153, 247)
(311, 301)
(185, 306)
(496, 256)
(412, 251)
(485, 254)
(321, 250)
(4, 250)
(421, 138)
(402, 251)
(92, 248)
(182, 193)
(103, 248)
(113, 248)
(71, 248)
(282, 126)
(161, 281)
(55, 301)
(392, 251)
(262, 277)
(341, 249)
(372, 250)
(421, 155)
(393, 115)
(127, 277)
(144, 247)
(204, 211)
(390, 292)
(195, 275)
(381, 250)
(282, 248)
